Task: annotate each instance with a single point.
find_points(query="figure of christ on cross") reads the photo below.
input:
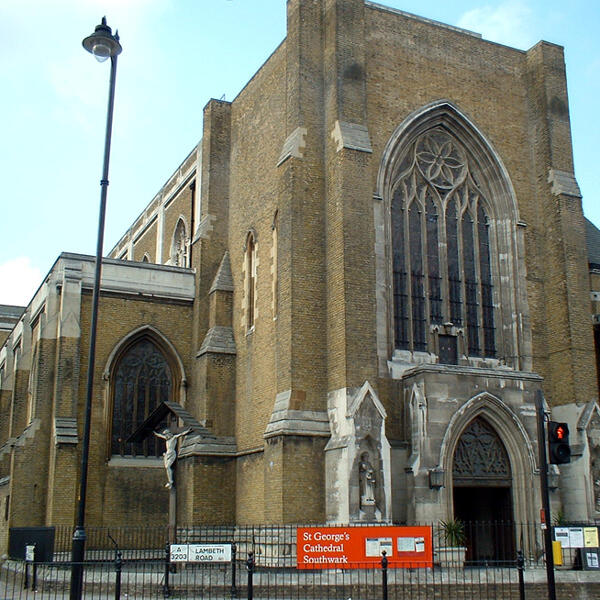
(170, 454)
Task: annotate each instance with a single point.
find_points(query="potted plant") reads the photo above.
(450, 547)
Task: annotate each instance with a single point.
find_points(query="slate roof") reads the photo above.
(160, 412)
(592, 235)
(223, 279)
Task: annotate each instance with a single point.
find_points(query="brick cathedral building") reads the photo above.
(351, 291)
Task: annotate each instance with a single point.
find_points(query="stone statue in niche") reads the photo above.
(368, 481)
(170, 454)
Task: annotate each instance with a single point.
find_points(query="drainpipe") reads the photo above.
(192, 224)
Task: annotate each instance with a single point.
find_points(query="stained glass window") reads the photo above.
(441, 246)
(142, 381)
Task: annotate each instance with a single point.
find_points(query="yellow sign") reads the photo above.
(590, 537)
(557, 554)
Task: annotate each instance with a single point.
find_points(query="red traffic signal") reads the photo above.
(558, 443)
(561, 431)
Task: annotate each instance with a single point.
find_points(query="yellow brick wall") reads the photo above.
(251, 507)
(257, 123)
(505, 93)
(374, 68)
(135, 496)
(179, 206)
(117, 318)
(146, 244)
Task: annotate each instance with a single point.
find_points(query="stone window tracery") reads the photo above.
(480, 455)
(142, 380)
(441, 250)
(179, 246)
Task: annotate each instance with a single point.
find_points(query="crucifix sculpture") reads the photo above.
(169, 458)
(170, 454)
(173, 414)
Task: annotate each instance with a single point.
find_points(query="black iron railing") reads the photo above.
(487, 560)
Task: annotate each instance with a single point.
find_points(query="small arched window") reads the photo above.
(250, 283)
(142, 379)
(179, 245)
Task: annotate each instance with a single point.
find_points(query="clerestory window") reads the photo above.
(179, 246)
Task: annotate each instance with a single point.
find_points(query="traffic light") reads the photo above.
(558, 441)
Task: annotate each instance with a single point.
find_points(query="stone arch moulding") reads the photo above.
(517, 442)
(164, 345)
(511, 312)
(445, 114)
(181, 219)
(251, 232)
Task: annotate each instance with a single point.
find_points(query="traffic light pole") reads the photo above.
(543, 464)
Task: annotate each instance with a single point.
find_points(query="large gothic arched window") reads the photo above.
(442, 269)
(142, 380)
(449, 248)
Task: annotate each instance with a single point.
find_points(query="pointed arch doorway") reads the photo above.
(482, 493)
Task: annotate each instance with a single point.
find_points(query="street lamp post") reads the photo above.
(103, 45)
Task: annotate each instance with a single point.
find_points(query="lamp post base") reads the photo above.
(77, 558)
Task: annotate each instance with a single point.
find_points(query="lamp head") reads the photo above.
(102, 43)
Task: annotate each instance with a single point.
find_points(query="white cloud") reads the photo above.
(19, 280)
(508, 23)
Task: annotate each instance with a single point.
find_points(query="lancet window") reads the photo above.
(441, 246)
(274, 263)
(250, 283)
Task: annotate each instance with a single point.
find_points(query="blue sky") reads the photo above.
(177, 54)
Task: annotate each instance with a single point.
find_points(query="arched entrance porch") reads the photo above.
(482, 493)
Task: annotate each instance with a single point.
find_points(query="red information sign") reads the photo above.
(361, 547)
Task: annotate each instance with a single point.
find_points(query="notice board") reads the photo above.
(590, 559)
(362, 547)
